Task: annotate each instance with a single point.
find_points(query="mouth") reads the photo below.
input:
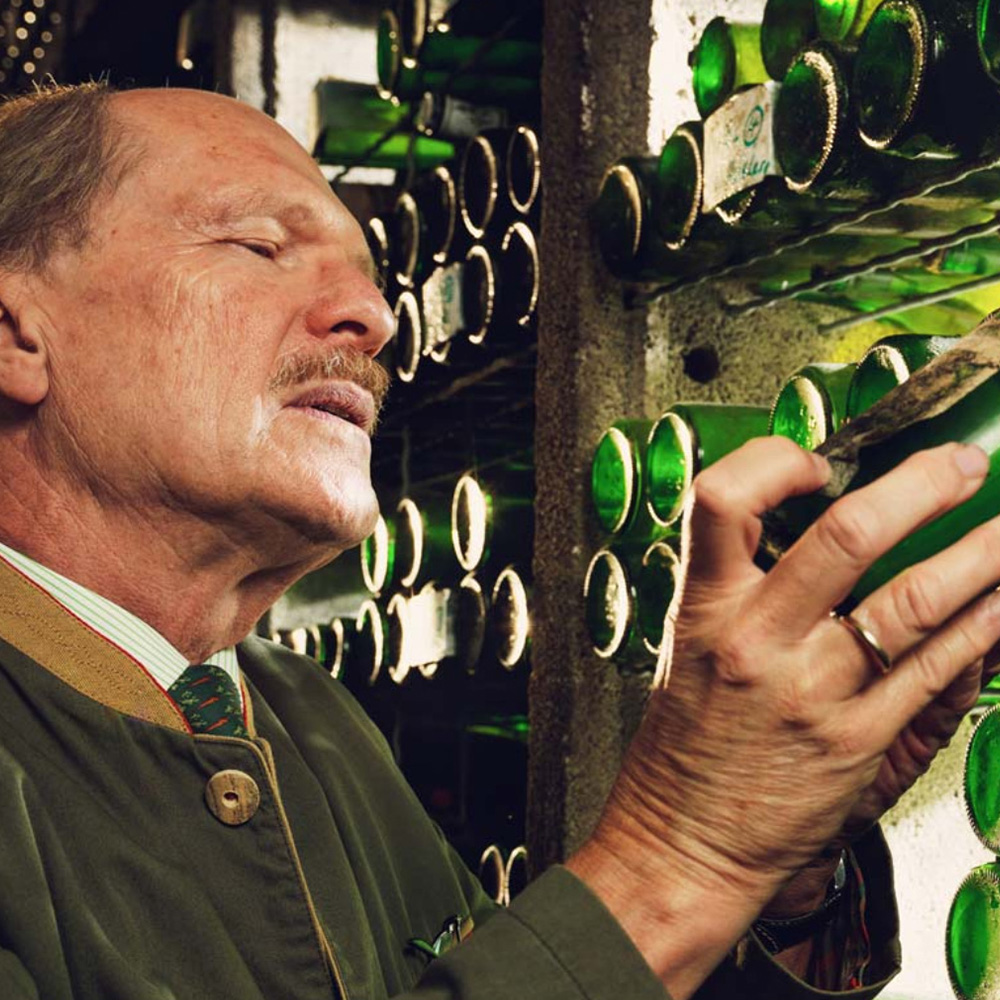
(340, 401)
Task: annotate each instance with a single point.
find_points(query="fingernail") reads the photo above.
(972, 461)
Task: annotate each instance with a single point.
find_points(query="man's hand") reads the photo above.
(772, 733)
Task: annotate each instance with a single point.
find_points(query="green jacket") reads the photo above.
(118, 881)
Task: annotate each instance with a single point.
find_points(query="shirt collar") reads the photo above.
(163, 661)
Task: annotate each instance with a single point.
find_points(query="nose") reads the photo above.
(354, 310)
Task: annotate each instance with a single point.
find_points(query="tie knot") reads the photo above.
(210, 700)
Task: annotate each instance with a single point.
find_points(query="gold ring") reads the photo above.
(872, 646)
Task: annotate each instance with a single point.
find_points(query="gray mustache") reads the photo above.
(341, 363)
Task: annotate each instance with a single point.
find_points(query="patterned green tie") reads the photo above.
(210, 700)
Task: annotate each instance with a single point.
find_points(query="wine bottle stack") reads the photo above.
(972, 945)
(833, 120)
(642, 473)
(440, 591)
(640, 478)
(455, 112)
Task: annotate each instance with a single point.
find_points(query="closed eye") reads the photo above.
(258, 247)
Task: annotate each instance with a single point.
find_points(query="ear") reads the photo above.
(24, 368)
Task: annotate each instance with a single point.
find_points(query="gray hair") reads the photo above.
(60, 148)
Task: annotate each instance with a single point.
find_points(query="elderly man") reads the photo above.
(187, 328)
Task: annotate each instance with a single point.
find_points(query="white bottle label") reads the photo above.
(442, 301)
(429, 622)
(462, 120)
(739, 144)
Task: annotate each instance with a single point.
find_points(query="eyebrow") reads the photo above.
(231, 206)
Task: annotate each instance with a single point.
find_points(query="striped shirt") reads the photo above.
(160, 658)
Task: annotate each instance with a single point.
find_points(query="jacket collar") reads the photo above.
(34, 622)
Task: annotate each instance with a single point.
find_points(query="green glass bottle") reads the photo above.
(408, 339)
(339, 147)
(510, 619)
(973, 935)
(338, 650)
(504, 72)
(842, 21)
(977, 258)
(616, 474)
(379, 246)
(890, 362)
(626, 233)
(480, 283)
(523, 161)
(342, 106)
(424, 224)
(398, 657)
(500, 290)
(378, 556)
(688, 438)
(726, 57)
(516, 19)
(368, 644)
(482, 182)
(417, 17)
(423, 541)
(973, 420)
(982, 780)
(812, 404)
(952, 318)
(507, 56)
(493, 521)
(677, 197)
(914, 58)
(787, 26)
(610, 611)
(814, 139)
(452, 118)
(469, 615)
(656, 580)
(988, 37)
(520, 276)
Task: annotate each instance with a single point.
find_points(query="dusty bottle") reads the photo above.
(812, 404)
(972, 944)
(919, 82)
(688, 438)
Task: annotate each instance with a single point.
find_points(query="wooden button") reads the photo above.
(232, 796)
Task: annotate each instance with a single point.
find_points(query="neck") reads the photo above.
(194, 582)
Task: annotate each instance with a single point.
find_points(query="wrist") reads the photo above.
(678, 922)
(782, 933)
(807, 890)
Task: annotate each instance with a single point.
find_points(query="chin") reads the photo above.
(341, 521)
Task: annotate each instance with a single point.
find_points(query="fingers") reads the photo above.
(818, 572)
(908, 609)
(929, 670)
(730, 496)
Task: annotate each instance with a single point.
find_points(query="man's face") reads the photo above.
(187, 338)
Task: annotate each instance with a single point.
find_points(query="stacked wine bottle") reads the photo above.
(442, 590)
(642, 473)
(973, 931)
(455, 112)
(829, 118)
